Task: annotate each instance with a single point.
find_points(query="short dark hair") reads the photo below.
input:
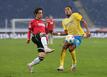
(68, 7)
(36, 10)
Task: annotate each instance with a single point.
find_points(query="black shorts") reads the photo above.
(37, 40)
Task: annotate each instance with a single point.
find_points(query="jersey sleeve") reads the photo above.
(29, 30)
(78, 16)
(30, 26)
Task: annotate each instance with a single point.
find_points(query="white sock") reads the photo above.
(44, 42)
(35, 61)
(73, 65)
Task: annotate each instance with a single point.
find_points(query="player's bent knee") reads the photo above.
(71, 48)
(41, 50)
(41, 58)
(64, 47)
(42, 35)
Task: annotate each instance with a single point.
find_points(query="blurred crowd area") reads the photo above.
(23, 9)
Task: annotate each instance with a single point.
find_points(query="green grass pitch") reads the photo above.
(15, 54)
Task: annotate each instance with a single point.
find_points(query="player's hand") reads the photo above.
(28, 41)
(87, 34)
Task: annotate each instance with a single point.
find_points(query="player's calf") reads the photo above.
(34, 62)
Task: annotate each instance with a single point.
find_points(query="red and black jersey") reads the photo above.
(37, 26)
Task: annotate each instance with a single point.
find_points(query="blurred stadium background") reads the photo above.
(15, 53)
(15, 15)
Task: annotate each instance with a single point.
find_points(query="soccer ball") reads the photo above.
(69, 38)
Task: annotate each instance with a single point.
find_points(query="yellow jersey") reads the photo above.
(72, 24)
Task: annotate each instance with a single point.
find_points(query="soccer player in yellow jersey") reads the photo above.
(72, 26)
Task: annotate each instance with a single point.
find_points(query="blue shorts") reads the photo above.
(77, 40)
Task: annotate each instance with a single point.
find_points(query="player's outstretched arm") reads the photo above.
(86, 27)
(28, 36)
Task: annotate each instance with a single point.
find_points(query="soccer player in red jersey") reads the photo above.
(50, 23)
(37, 29)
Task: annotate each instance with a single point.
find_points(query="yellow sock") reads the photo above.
(63, 54)
(73, 55)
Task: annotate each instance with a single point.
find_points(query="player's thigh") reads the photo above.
(71, 47)
(66, 45)
(37, 40)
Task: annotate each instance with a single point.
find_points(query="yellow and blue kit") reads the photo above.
(73, 27)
